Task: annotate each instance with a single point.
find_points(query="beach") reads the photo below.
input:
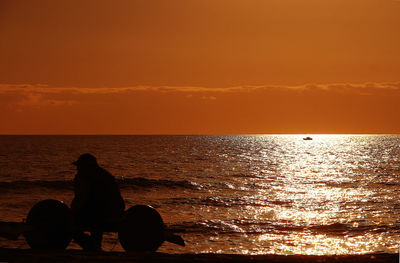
(27, 255)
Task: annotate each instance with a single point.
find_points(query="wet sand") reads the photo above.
(28, 255)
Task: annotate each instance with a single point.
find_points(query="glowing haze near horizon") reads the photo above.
(199, 67)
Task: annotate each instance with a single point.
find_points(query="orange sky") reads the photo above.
(199, 67)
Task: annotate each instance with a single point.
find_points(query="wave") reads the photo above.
(138, 182)
(58, 185)
(217, 227)
(358, 184)
(229, 201)
(148, 183)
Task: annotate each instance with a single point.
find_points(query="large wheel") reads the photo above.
(51, 222)
(142, 229)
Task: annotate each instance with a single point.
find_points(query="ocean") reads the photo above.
(242, 194)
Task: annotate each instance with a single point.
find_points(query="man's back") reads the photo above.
(97, 200)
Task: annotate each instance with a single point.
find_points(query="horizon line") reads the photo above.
(182, 134)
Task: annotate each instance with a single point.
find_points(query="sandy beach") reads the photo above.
(27, 255)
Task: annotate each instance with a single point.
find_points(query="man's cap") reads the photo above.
(86, 159)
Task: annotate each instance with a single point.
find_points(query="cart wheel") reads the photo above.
(142, 229)
(52, 225)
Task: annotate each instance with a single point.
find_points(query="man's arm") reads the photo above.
(81, 190)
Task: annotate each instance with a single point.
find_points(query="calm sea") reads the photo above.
(335, 194)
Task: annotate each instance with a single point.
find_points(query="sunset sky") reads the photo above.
(199, 67)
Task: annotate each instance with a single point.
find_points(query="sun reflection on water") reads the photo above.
(313, 174)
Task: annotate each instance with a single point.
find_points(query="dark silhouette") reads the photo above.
(97, 205)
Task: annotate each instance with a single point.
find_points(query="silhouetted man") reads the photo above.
(97, 204)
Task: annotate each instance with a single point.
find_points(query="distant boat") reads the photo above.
(307, 138)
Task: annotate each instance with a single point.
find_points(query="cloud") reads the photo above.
(334, 107)
(47, 89)
(208, 97)
(333, 87)
(36, 95)
(29, 95)
(39, 100)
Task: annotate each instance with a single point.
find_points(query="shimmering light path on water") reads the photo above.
(335, 194)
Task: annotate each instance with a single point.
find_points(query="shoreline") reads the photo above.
(72, 255)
